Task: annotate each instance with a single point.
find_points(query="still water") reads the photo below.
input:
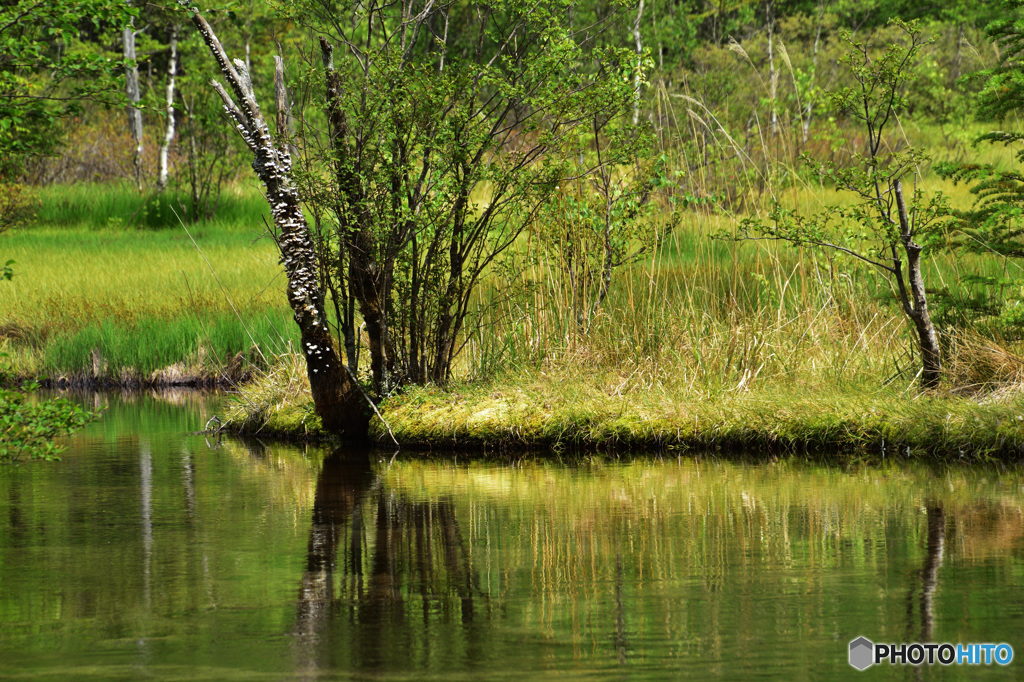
(149, 553)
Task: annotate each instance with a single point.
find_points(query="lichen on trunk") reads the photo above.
(336, 396)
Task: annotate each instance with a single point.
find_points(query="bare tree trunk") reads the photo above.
(131, 86)
(285, 121)
(336, 396)
(809, 109)
(639, 59)
(773, 75)
(916, 304)
(366, 275)
(172, 72)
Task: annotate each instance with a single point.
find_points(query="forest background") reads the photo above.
(655, 300)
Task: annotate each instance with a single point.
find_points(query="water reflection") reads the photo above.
(922, 593)
(381, 571)
(146, 548)
(430, 566)
(925, 582)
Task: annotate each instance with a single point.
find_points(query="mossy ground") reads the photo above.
(563, 411)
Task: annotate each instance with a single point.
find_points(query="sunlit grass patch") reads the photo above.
(107, 301)
(119, 205)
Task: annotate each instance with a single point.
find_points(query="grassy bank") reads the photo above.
(708, 344)
(609, 412)
(94, 300)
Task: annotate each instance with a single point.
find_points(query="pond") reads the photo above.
(152, 553)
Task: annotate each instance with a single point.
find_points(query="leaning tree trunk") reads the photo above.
(916, 304)
(336, 396)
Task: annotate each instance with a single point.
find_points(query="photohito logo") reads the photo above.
(864, 653)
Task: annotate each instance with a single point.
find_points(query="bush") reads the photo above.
(29, 429)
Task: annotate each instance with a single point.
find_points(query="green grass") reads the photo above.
(106, 205)
(205, 343)
(90, 296)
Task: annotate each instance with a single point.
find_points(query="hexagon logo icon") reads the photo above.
(862, 653)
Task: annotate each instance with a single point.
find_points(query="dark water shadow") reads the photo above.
(388, 580)
(925, 583)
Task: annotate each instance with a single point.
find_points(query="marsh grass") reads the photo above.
(117, 205)
(709, 344)
(108, 303)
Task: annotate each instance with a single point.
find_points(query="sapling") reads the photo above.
(883, 226)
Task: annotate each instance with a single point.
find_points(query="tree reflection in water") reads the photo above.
(927, 578)
(927, 581)
(388, 579)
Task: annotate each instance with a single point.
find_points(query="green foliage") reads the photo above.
(30, 429)
(868, 228)
(52, 59)
(18, 205)
(442, 152)
(599, 223)
(994, 222)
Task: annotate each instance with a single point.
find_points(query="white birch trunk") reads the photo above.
(131, 85)
(639, 58)
(336, 396)
(172, 72)
(809, 109)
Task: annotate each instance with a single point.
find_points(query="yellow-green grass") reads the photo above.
(110, 303)
(704, 344)
(113, 205)
(711, 345)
